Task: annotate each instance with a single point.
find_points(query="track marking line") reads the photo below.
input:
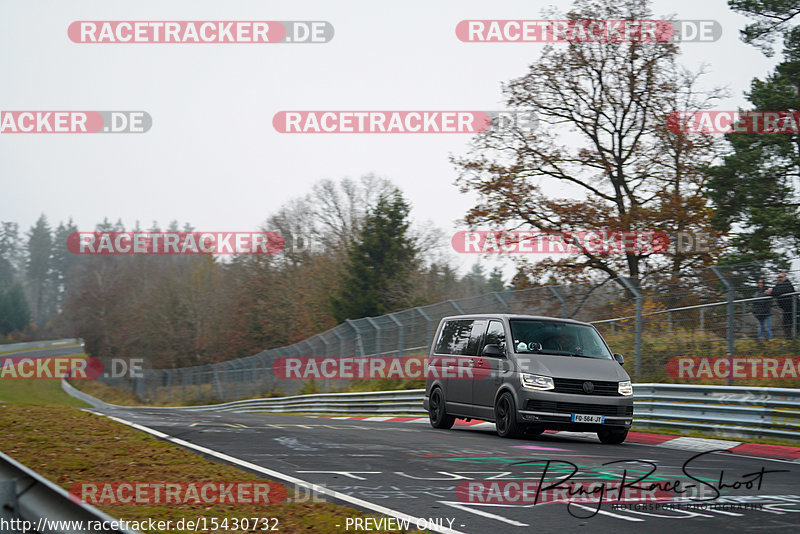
(321, 490)
(698, 444)
(609, 514)
(496, 517)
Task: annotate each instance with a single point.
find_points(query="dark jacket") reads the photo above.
(780, 293)
(761, 308)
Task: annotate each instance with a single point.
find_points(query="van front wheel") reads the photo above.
(612, 437)
(437, 413)
(505, 417)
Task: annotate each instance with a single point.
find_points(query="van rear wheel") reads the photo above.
(505, 417)
(437, 413)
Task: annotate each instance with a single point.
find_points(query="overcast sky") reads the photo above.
(212, 157)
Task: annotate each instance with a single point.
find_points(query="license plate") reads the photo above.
(578, 418)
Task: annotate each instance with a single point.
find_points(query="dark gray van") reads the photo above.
(527, 374)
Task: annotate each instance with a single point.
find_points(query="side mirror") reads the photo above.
(492, 350)
(620, 359)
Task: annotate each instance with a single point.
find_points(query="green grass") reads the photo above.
(43, 391)
(44, 430)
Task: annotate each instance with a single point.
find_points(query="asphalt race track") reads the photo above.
(411, 470)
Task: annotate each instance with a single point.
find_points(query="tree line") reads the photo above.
(602, 142)
(351, 251)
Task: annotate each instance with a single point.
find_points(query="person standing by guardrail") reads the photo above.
(762, 309)
(783, 292)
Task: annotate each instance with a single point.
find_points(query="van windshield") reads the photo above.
(553, 337)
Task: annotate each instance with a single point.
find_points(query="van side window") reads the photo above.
(475, 339)
(455, 337)
(496, 335)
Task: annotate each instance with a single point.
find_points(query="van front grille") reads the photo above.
(535, 405)
(575, 386)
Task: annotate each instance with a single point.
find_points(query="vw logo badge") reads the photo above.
(588, 387)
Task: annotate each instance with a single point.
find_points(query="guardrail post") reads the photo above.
(794, 315)
(730, 312)
(359, 343)
(326, 345)
(456, 306)
(637, 366)
(265, 370)
(325, 382)
(428, 318)
(702, 319)
(560, 297)
(340, 337)
(399, 333)
(377, 335)
(503, 301)
(216, 383)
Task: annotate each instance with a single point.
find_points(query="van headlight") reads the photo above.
(536, 381)
(625, 388)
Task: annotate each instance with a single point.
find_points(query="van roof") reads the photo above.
(510, 316)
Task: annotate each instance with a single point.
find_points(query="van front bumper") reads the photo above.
(555, 410)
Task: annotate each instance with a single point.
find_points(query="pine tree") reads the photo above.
(39, 265)
(14, 312)
(753, 189)
(496, 280)
(376, 279)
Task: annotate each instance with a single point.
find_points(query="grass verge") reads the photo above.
(35, 392)
(44, 430)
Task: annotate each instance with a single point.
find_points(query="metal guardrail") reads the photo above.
(85, 397)
(400, 402)
(727, 410)
(12, 347)
(741, 411)
(26, 495)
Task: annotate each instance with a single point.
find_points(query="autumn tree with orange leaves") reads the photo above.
(602, 143)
